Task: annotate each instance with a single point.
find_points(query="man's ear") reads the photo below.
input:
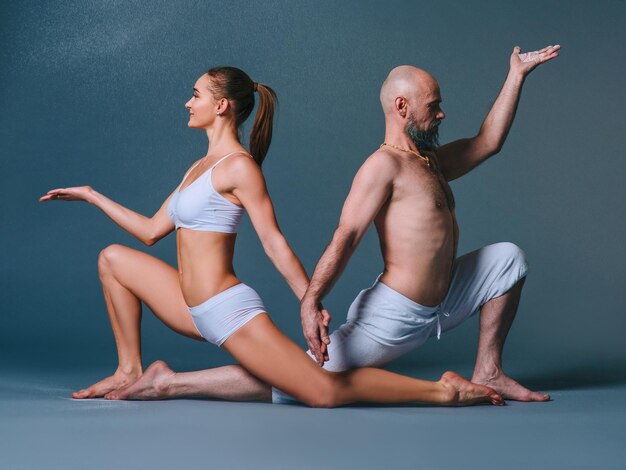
(401, 105)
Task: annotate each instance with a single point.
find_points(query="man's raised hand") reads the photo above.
(525, 62)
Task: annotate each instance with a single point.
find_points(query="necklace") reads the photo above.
(424, 159)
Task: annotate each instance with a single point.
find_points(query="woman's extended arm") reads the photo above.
(148, 230)
(249, 188)
(145, 229)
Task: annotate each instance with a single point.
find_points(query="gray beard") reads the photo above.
(424, 140)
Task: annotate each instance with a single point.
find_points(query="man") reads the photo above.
(403, 188)
(424, 289)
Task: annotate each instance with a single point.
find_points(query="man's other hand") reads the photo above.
(315, 320)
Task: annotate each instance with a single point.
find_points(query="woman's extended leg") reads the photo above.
(129, 277)
(272, 357)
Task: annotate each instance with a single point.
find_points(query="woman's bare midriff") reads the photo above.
(205, 264)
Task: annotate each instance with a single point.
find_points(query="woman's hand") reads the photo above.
(147, 230)
(78, 193)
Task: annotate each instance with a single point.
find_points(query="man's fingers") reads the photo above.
(321, 340)
(326, 318)
(324, 337)
(549, 57)
(550, 54)
(315, 347)
(324, 350)
(540, 56)
(550, 49)
(319, 357)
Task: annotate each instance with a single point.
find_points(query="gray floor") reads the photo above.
(583, 427)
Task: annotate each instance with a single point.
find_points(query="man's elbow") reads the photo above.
(495, 148)
(489, 145)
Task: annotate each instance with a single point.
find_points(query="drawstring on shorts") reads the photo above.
(445, 314)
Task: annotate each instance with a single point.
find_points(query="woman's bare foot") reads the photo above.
(152, 385)
(118, 380)
(468, 393)
(508, 387)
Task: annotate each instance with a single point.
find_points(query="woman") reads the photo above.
(205, 210)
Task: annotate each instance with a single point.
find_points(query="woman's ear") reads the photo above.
(223, 105)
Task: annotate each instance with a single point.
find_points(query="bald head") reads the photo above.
(411, 101)
(408, 82)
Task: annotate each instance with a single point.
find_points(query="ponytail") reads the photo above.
(235, 85)
(261, 134)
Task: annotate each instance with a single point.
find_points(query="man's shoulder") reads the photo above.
(381, 161)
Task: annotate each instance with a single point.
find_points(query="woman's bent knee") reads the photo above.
(108, 257)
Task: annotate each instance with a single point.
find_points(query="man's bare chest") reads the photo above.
(425, 186)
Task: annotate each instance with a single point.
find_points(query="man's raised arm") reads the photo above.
(370, 189)
(461, 156)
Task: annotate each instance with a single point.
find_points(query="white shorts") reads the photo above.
(383, 324)
(220, 316)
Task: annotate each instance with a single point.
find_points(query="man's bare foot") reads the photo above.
(508, 387)
(118, 380)
(468, 393)
(152, 385)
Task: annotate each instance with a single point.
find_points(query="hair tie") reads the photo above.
(255, 86)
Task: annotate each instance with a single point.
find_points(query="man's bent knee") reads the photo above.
(513, 256)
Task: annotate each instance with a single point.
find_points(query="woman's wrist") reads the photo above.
(93, 197)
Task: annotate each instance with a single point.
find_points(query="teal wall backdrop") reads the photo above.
(93, 93)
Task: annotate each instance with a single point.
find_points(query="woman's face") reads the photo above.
(202, 106)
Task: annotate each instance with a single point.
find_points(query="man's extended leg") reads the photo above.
(496, 317)
(159, 382)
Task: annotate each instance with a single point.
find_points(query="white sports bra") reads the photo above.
(200, 207)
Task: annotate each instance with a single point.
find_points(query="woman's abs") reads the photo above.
(205, 264)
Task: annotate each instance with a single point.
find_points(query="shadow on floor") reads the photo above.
(575, 374)
(584, 375)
